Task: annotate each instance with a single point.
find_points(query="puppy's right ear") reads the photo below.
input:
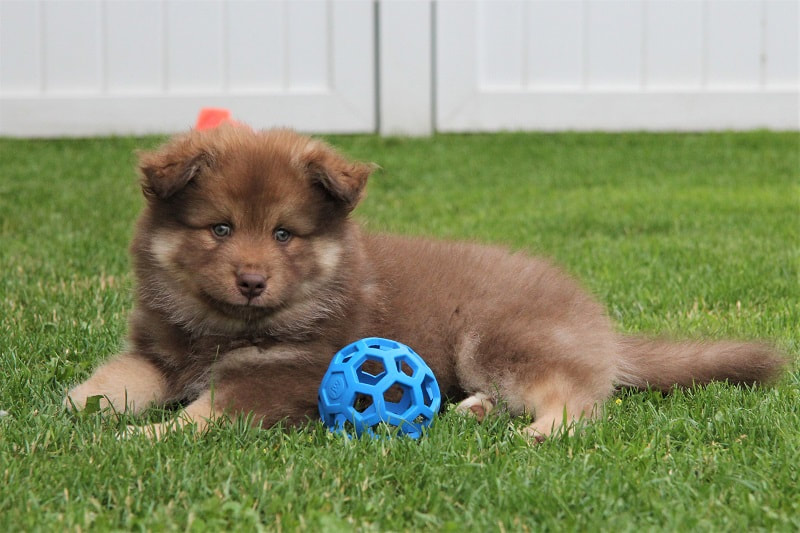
(170, 168)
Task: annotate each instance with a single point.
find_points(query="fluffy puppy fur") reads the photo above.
(251, 275)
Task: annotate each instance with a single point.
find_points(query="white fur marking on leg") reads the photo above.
(126, 383)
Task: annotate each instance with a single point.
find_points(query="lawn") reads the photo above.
(679, 234)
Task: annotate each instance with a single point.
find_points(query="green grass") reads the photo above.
(678, 233)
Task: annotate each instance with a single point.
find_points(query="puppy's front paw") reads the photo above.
(85, 398)
(126, 383)
(161, 430)
(151, 431)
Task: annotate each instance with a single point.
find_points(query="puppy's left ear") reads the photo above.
(342, 179)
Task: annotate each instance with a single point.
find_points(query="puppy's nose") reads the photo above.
(251, 285)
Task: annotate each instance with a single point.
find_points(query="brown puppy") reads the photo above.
(251, 275)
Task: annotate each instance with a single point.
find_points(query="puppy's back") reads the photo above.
(439, 297)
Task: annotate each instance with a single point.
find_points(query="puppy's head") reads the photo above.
(240, 225)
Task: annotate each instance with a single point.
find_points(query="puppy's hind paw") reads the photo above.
(533, 436)
(478, 405)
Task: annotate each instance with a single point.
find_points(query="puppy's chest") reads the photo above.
(208, 349)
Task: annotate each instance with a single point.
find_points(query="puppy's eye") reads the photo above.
(221, 230)
(282, 235)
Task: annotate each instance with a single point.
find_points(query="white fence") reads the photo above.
(91, 66)
(79, 67)
(617, 64)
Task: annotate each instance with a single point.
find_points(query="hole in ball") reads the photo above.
(370, 372)
(362, 402)
(404, 367)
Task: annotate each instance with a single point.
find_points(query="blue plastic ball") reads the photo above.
(373, 381)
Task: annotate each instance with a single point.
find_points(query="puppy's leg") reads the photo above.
(472, 377)
(479, 405)
(270, 386)
(559, 403)
(127, 382)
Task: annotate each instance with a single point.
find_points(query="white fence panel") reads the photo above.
(134, 44)
(406, 67)
(616, 64)
(257, 46)
(71, 51)
(20, 42)
(558, 26)
(78, 67)
(734, 43)
(86, 67)
(614, 34)
(674, 63)
(782, 45)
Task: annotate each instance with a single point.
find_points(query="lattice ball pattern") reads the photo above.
(375, 380)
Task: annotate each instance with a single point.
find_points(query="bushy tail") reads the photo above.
(661, 364)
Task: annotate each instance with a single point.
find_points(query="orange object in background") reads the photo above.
(211, 117)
